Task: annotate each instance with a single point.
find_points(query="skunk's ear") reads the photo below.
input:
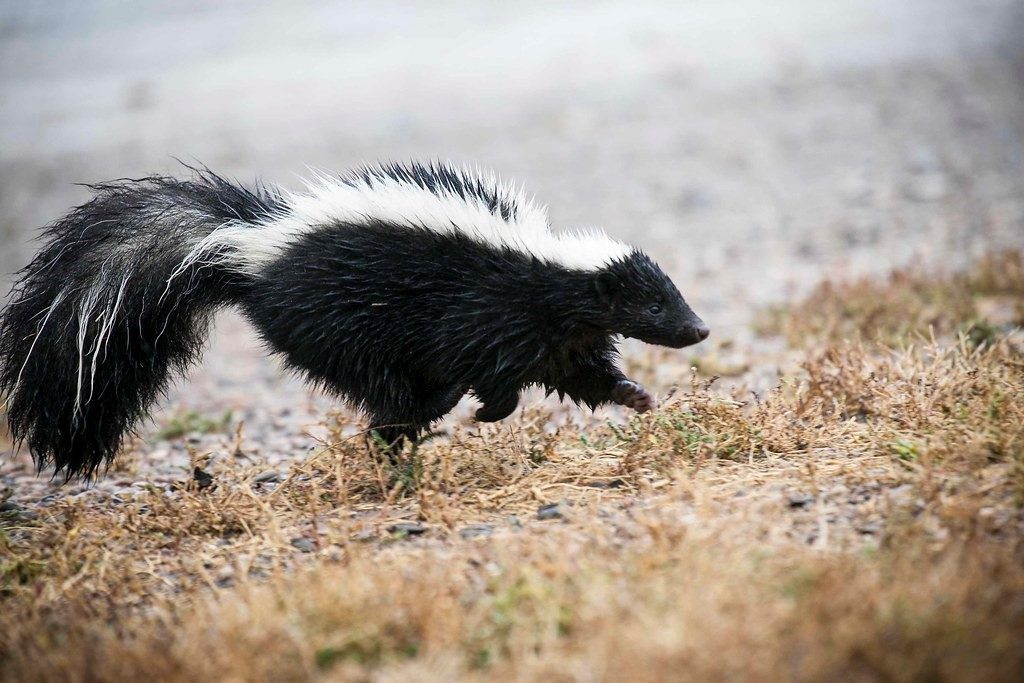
(608, 288)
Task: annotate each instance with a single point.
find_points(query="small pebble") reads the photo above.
(203, 479)
(225, 577)
(869, 528)
(800, 499)
(267, 477)
(304, 544)
(407, 529)
(606, 484)
(550, 511)
(476, 531)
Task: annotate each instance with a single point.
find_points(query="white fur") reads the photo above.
(49, 312)
(356, 201)
(101, 304)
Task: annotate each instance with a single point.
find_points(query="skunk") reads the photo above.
(398, 287)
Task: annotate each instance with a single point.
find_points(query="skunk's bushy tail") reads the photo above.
(114, 303)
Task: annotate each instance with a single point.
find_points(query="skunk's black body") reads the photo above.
(402, 317)
(408, 327)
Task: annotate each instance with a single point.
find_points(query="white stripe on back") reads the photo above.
(376, 196)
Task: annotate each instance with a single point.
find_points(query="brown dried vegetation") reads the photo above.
(862, 521)
(982, 301)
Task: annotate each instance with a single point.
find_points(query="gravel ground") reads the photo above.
(753, 150)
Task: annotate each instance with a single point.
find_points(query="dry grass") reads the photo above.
(863, 521)
(912, 301)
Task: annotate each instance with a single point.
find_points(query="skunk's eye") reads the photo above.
(654, 309)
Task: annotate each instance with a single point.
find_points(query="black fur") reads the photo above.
(442, 177)
(401, 321)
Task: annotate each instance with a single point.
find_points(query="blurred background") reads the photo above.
(752, 147)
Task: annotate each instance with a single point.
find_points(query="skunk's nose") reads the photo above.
(701, 330)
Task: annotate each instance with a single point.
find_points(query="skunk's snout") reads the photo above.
(690, 334)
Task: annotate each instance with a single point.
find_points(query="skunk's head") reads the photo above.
(636, 299)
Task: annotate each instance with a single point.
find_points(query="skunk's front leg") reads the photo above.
(497, 406)
(595, 389)
(595, 379)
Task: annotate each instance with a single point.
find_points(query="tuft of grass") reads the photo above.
(191, 422)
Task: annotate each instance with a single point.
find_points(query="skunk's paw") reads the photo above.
(498, 408)
(632, 395)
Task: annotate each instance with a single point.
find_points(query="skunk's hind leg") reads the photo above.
(407, 416)
(392, 437)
